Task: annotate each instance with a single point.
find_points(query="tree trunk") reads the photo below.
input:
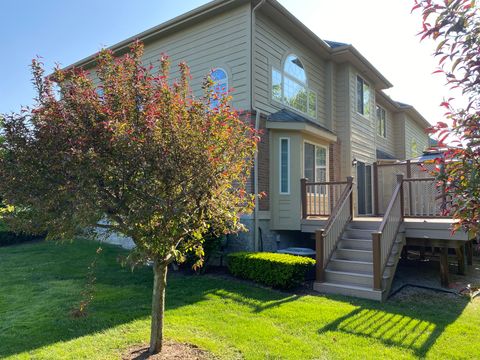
(158, 305)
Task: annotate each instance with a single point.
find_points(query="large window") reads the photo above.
(315, 163)
(284, 165)
(290, 87)
(381, 123)
(220, 86)
(363, 97)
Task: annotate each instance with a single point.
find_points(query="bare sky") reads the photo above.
(62, 31)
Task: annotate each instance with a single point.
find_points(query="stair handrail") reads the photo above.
(384, 238)
(326, 239)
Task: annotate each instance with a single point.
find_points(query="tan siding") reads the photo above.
(286, 208)
(272, 45)
(221, 41)
(387, 143)
(399, 129)
(363, 127)
(413, 131)
(342, 117)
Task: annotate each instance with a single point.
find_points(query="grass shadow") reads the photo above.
(414, 320)
(41, 283)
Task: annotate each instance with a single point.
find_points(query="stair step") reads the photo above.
(370, 225)
(349, 290)
(353, 254)
(350, 266)
(345, 277)
(355, 233)
(358, 244)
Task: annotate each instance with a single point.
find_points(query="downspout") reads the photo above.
(257, 124)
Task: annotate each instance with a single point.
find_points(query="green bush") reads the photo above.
(8, 237)
(272, 269)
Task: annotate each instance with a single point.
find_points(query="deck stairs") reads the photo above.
(350, 268)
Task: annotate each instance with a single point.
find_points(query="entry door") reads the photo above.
(364, 188)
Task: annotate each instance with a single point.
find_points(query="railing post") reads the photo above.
(409, 176)
(350, 185)
(319, 249)
(377, 260)
(303, 187)
(375, 188)
(402, 200)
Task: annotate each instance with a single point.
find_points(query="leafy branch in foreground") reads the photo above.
(455, 27)
(137, 154)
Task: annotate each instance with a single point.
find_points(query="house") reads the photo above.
(325, 119)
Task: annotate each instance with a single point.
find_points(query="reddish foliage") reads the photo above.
(455, 26)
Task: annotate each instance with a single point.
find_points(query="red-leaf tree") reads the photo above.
(133, 152)
(455, 26)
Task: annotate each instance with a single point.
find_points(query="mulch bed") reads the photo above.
(171, 351)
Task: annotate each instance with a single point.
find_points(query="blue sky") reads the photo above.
(66, 31)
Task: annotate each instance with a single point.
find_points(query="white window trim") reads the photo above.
(292, 78)
(383, 136)
(327, 158)
(280, 166)
(368, 117)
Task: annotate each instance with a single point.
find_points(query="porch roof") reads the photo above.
(286, 115)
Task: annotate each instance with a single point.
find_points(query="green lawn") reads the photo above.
(40, 283)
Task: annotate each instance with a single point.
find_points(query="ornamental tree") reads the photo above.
(136, 154)
(454, 25)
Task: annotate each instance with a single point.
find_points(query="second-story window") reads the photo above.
(220, 85)
(363, 97)
(381, 123)
(290, 87)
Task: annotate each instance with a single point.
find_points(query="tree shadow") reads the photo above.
(413, 320)
(42, 283)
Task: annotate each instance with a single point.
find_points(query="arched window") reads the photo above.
(290, 87)
(220, 85)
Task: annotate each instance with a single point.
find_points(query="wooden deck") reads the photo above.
(430, 231)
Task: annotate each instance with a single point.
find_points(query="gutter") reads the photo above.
(257, 125)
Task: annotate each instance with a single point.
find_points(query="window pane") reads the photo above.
(321, 158)
(295, 95)
(359, 95)
(309, 162)
(312, 104)
(321, 175)
(366, 99)
(284, 171)
(294, 67)
(276, 85)
(220, 86)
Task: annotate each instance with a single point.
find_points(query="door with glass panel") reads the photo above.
(315, 171)
(364, 188)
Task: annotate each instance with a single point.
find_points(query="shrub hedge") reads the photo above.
(277, 270)
(8, 237)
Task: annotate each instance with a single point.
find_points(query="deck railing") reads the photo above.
(320, 198)
(424, 198)
(384, 238)
(326, 239)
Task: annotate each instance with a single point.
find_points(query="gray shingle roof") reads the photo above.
(286, 115)
(385, 156)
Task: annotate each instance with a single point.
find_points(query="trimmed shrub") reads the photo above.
(8, 237)
(272, 269)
